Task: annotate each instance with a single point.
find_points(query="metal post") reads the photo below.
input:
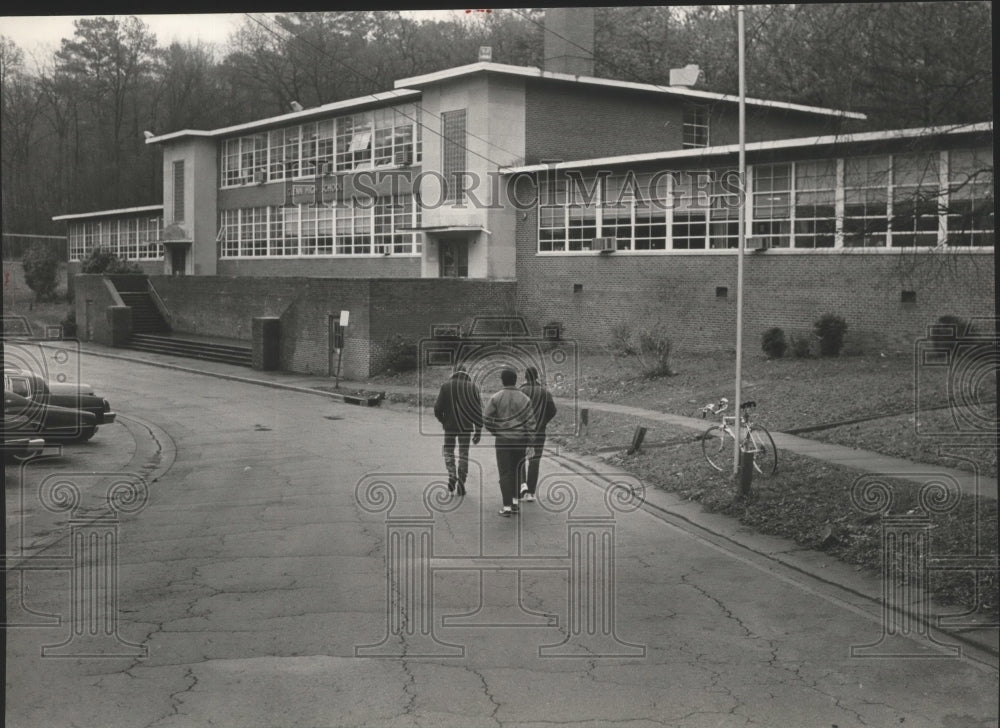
(742, 241)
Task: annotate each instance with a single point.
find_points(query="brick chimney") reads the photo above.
(569, 41)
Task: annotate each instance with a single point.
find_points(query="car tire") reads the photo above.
(84, 436)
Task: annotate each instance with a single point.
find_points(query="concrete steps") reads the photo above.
(192, 348)
(146, 317)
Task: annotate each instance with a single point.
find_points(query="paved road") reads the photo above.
(255, 581)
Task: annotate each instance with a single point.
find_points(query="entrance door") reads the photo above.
(453, 257)
(178, 259)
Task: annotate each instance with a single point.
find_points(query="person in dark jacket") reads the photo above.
(459, 409)
(544, 409)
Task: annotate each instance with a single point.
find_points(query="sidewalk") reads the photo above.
(861, 460)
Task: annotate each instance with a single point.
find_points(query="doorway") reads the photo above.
(178, 259)
(453, 259)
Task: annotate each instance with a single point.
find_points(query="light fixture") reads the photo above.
(148, 134)
(296, 106)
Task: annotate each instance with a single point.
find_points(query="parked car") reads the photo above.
(21, 447)
(58, 394)
(30, 418)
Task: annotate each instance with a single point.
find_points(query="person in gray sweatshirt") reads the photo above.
(509, 415)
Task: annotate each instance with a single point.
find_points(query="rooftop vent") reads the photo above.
(687, 76)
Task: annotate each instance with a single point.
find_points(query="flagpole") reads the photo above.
(741, 225)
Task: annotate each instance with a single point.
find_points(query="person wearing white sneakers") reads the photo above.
(508, 415)
(544, 409)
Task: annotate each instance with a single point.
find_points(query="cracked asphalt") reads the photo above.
(264, 584)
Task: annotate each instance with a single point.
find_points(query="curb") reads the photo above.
(988, 651)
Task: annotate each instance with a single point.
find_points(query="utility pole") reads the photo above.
(741, 224)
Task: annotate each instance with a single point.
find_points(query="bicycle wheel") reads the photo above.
(765, 459)
(717, 445)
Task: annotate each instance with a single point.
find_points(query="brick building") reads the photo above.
(418, 183)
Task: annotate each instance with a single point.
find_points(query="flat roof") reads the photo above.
(305, 114)
(856, 138)
(535, 72)
(108, 213)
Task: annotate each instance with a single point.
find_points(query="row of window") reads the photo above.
(905, 200)
(384, 137)
(353, 227)
(128, 238)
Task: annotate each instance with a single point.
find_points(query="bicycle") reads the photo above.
(717, 442)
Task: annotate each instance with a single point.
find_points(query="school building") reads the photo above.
(578, 202)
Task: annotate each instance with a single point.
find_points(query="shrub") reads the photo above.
(41, 268)
(830, 329)
(69, 324)
(773, 343)
(801, 345)
(105, 262)
(652, 349)
(622, 343)
(401, 355)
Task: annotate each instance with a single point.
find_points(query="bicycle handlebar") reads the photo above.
(723, 405)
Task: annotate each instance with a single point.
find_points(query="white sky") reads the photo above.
(39, 35)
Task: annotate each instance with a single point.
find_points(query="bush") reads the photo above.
(801, 346)
(773, 343)
(621, 340)
(41, 268)
(947, 337)
(69, 324)
(401, 355)
(652, 349)
(105, 262)
(830, 329)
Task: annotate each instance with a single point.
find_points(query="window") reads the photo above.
(453, 159)
(695, 132)
(691, 201)
(866, 201)
(354, 228)
(970, 212)
(772, 215)
(724, 209)
(179, 190)
(915, 199)
(354, 136)
(815, 204)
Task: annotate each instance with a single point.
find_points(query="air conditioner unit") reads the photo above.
(756, 245)
(403, 158)
(258, 177)
(605, 245)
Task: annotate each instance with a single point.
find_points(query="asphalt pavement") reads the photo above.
(856, 587)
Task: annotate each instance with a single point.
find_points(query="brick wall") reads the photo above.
(409, 308)
(787, 290)
(391, 266)
(565, 122)
(379, 310)
(92, 299)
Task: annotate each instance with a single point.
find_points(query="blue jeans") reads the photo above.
(510, 455)
(458, 468)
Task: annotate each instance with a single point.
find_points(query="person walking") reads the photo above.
(459, 409)
(508, 415)
(544, 409)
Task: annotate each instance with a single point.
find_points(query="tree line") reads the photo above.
(72, 127)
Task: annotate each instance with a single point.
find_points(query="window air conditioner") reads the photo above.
(258, 177)
(605, 245)
(403, 158)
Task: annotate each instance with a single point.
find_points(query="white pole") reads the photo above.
(742, 237)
